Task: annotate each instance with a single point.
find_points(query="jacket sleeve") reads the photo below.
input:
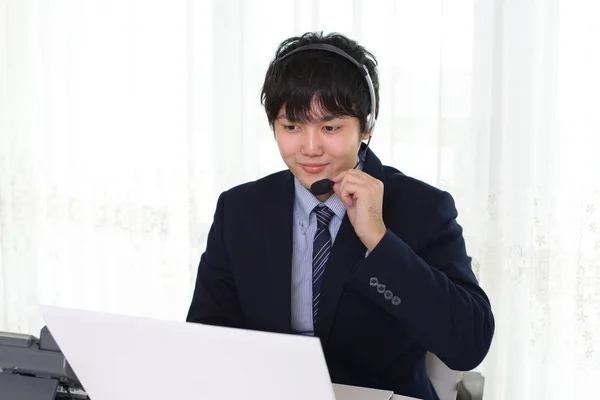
(434, 294)
(215, 300)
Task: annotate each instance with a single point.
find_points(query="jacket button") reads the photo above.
(380, 288)
(396, 300)
(388, 295)
(373, 281)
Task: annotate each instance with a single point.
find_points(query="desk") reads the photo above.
(347, 392)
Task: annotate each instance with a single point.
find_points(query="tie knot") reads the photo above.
(324, 216)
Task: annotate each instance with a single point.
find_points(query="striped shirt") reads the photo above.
(304, 228)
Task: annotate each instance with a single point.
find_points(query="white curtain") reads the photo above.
(122, 121)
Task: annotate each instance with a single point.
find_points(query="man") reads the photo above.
(375, 265)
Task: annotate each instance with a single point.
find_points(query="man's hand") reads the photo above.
(363, 197)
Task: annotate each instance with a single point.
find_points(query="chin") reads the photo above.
(307, 183)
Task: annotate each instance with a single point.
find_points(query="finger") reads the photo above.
(352, 188)
(361, 178)
(358, 173)
(352, 173)
(350, 192)
(346, 198)
(337, 189)
(358, 177)
(339, 177)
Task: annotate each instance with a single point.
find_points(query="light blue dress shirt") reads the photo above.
(305, 226)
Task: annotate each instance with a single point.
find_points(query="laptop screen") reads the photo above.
(121, 357)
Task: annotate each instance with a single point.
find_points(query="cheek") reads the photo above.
(343, 150)
(285, 145)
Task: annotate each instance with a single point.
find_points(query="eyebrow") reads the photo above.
(325, 118)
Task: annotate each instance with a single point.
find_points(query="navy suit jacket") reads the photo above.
(379, 315)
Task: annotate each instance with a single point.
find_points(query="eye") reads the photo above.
(331, 128)
(291, 128)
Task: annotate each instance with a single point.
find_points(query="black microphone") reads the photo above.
(321, 187)
(325, 186)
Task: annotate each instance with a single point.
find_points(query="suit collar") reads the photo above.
(372, 164)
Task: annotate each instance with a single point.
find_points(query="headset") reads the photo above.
(325, 185)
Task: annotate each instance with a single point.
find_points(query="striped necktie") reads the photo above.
(321, 249)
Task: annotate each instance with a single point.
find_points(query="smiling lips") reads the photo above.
(313, 168)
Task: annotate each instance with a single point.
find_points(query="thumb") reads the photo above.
(338, 178)
(347, 200)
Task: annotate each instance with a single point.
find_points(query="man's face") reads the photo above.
(318, 149)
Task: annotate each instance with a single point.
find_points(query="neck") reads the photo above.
(322, 198)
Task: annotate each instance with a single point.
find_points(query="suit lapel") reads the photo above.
(345, 253)
(276, 276)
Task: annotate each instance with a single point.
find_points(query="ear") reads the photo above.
(365, 136)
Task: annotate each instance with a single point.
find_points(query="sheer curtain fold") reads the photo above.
(122, 122)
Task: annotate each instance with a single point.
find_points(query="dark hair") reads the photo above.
(335, 84)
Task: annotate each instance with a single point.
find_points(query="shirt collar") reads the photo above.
(305, 202)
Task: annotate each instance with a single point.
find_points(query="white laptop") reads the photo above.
(122, 358)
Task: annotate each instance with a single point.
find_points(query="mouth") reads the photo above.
(313, 168)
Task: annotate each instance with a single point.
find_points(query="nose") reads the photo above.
(312, 145)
